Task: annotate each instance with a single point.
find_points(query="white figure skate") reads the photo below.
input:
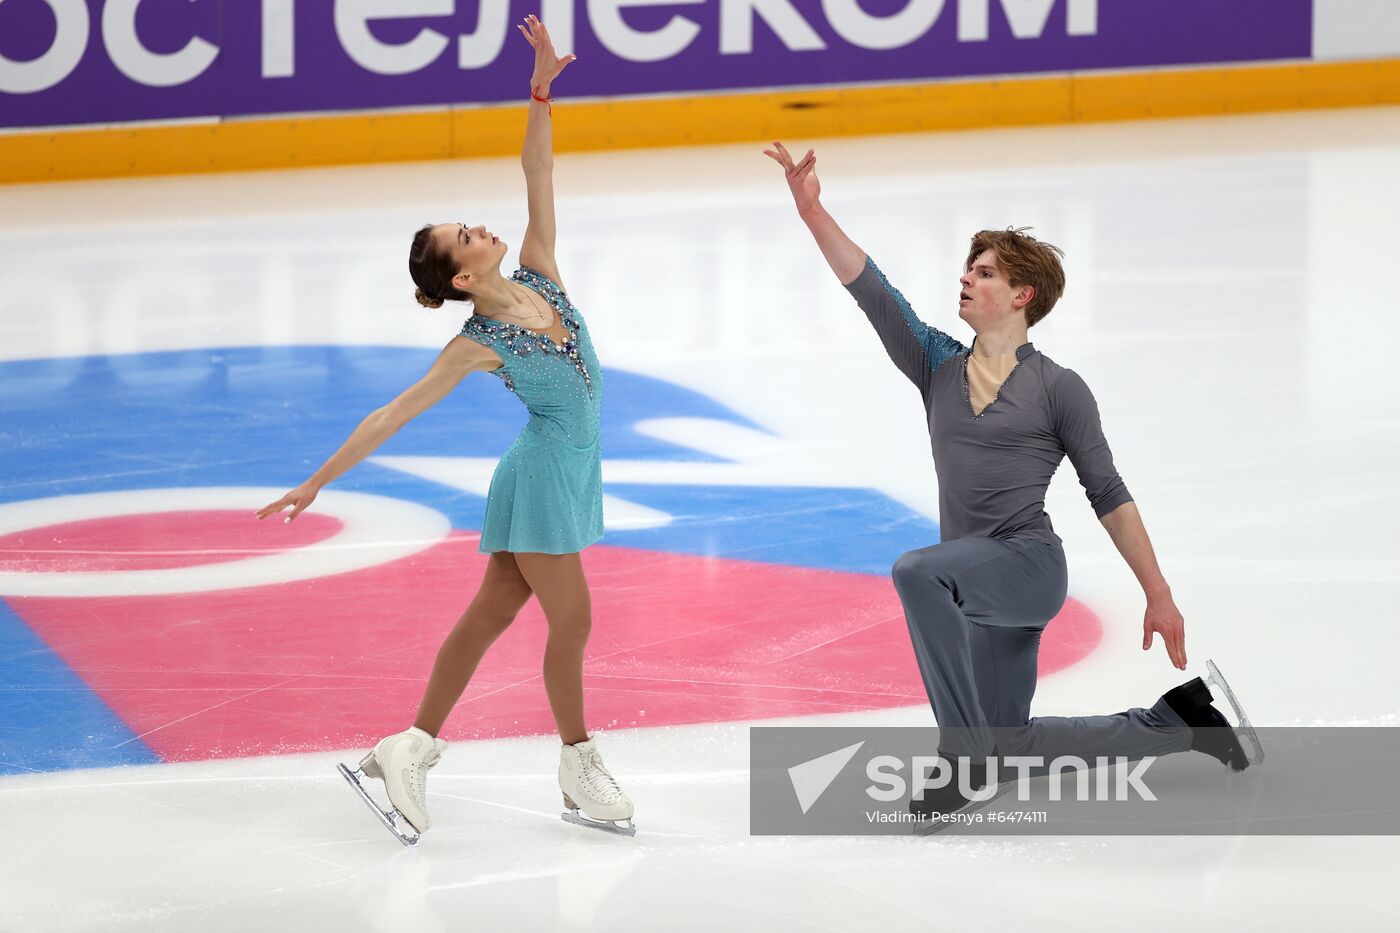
(588, 786)
(401, 761)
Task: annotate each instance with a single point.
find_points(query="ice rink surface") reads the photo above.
(177, 681)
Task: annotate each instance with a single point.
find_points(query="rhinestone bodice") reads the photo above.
(561, 386)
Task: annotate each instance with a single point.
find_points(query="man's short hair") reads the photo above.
(1027, 261)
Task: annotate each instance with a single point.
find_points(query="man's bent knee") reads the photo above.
(914, 569)
(905, 570)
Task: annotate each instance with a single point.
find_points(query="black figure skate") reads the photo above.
(967, 793)
(1235, 745)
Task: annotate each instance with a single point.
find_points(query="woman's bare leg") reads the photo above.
(558, 581)
(502, 594)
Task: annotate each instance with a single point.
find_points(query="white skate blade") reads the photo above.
(390, 818)
(930, 827)
(626, 828)
(1248, 738)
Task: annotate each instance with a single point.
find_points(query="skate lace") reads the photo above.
(598, 780)
(418, 775)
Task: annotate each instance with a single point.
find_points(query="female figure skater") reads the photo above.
(545, 500)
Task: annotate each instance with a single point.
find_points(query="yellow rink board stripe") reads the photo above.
(480, 131)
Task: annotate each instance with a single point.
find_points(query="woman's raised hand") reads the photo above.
(547, 64)
(801, 177)
(299, 499)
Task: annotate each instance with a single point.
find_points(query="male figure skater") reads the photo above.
(1001, 417)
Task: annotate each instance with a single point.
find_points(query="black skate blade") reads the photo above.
(390, 819)
(607, 826)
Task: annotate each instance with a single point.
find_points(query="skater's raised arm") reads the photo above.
(916, 348)
(537, 155)
(458, 358)
(844, 257)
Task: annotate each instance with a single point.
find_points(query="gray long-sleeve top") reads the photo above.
(993, 468)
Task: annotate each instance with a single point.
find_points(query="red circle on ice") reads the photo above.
(158, 541)
(337, 661)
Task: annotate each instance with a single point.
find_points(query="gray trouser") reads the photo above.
(976, 608)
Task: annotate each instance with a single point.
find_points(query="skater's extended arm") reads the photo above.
(912, 345)
(537, 155)
(844, 257)
(1129, 535)
(458, 358)
(916, 348)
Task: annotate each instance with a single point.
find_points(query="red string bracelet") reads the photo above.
(547, 101)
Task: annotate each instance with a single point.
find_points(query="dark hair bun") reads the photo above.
(425, 300)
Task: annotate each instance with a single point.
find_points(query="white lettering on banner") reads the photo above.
(481, 47)
(1027, 18)
(140, 64)
(1355, 29)
(59, 60)
(882, 32)
(278, 42)
(1082, 18)
(625, 42)
(972, 20)
(352, 28)
(736, 26)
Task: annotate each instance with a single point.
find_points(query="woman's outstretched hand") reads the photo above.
(299, 499)
(801, 177)
(547, 64)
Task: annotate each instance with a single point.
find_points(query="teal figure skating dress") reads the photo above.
(546, 495)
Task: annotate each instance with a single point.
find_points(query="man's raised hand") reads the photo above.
(801, 176)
